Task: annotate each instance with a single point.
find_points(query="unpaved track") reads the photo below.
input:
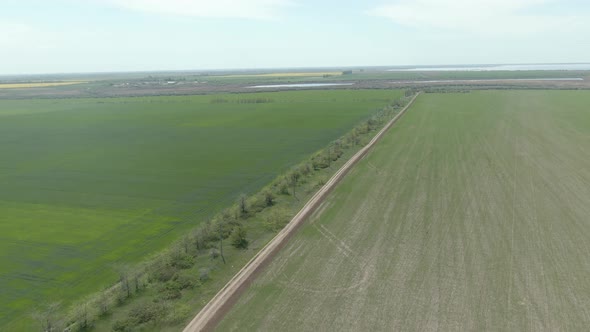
(212, 313)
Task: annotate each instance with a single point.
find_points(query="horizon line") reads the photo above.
(237, 69)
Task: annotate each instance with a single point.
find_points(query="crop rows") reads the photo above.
(471, 214)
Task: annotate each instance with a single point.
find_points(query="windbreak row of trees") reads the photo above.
(172, 272)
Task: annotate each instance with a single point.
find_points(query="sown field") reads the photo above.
(35, 85)
(471, 214)
(86, 184)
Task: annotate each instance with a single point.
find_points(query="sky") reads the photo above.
(68, 36)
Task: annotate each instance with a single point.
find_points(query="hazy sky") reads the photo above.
(52, 36)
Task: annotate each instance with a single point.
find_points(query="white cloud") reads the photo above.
(250, 9)
(490, 17)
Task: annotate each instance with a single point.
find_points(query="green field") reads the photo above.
(472, 214)
(86, 184)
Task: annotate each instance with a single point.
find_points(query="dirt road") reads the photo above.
(208, 317)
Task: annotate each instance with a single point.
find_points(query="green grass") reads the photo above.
(471, 214)
(89, 183)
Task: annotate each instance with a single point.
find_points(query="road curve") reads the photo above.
(214, 311)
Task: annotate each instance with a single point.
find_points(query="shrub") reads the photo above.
(336, 153)
(140, 314)
(122, 325)
(178, 314)
(269, 197)
(182, 261)
(238, 238)
(186, 280)
(220, 227)
(163, 273)
(227, 215)
(258, 203)
(304, 169)
(120, 299)
(277, 219)
(204, 274)
(170, 291)
(319, 161)
(284, 187)
(201, 240)
(146, 312)
(214, 253)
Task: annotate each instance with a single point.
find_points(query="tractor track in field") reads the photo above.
(221, 303)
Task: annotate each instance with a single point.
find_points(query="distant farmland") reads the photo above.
(86, 184)
(471, 214)
(35, 84)
(291, 74)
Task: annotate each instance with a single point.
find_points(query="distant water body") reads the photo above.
(494, 80)
(557, 66)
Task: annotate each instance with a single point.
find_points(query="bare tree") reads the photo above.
(124, 272)
(243, 206)
(82, 316)
(136, 282)
(103, 303)
(47, 317)
(269, 198)
(294, 181)
(186, 243)
(221, 243)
